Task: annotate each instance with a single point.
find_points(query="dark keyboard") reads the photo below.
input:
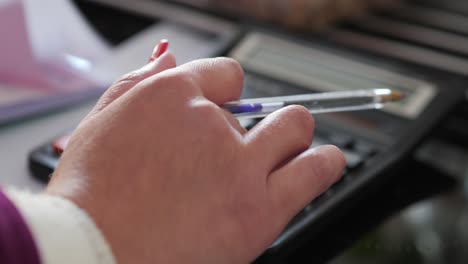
(424, 38)
(356, 150)
(356, 153)
(375, 143)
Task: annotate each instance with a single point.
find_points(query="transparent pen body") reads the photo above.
(315, 103)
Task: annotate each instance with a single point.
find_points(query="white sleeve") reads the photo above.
(63, 232)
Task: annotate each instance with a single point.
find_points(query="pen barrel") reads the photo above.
(338, 104)
(315, 103)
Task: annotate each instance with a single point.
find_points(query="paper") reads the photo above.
(5, 2)
(17, 63)
(56, 27)
(48, 47)
(12, 95)
(41, 54)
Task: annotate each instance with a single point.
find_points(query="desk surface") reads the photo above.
(18, 139)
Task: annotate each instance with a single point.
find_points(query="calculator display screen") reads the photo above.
(320, 70)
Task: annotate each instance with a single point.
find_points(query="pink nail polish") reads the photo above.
(61, 143)
(159, 49)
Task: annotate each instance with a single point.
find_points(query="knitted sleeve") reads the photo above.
(16, 241)
(63, 233)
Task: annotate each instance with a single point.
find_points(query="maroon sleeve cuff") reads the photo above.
(16, 241)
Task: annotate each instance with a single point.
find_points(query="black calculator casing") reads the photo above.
(391, 163)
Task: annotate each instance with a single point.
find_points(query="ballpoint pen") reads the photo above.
(351, 100)
(316, 102)
(340, 101)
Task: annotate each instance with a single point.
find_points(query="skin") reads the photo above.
(170, 177)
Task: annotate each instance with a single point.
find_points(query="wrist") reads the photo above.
(63, 232)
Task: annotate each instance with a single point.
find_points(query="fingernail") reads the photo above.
(159, 49)
(61, 143)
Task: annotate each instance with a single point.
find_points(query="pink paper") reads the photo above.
(17, 63)
(21, 66)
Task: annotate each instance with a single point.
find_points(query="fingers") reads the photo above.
(220, 79)
(280, 136)
(294, 185)
(126, 82)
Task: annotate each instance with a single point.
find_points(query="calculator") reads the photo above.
(430, 33)
(377, 144)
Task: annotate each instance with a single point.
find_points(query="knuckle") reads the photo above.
(133, 76)
(235, 70)
(185, 81)
(302, 117)
(206, 109)
(210, 114)
(321, 170)
(179, 83)
(301, 113)
(234, 67)
(339, 155)
(217, 70)
(302, 122)
(329, 166)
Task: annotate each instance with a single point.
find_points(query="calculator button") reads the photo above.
(340, 140)
(353, 159)
(364, 149)
(318, 142)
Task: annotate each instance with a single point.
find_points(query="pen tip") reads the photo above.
(396, 95)
(390, 95)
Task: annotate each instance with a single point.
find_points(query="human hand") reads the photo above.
(170, 177)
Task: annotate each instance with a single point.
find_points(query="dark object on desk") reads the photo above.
(42, 162)
(115, 25)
